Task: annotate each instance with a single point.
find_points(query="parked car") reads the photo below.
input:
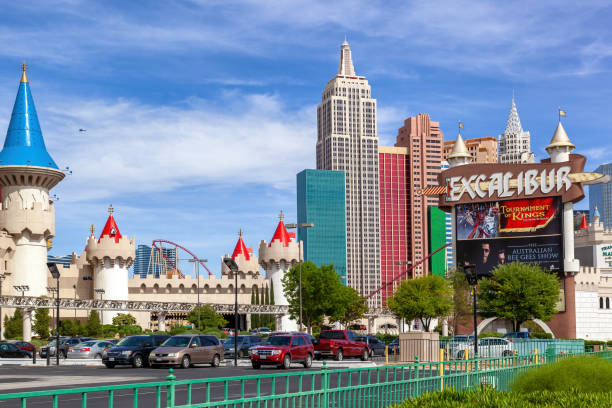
(244, 344)
(188, 349)
(457, 346)
(282, 350)
(264, 330)
(490, 347)
(132, 350)
(64, 344)
(24, 345)
(394, 346)
(310, 337)
(377, 347)
(339, 344)
(89, 349)
(517, 335)
(10, 350)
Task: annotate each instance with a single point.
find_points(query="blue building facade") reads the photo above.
(144, 265)
(600, 195)
(321, 201)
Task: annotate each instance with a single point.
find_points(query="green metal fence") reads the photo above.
(349, 388)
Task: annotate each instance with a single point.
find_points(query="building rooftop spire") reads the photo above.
(110, 228)
(24, 144)
(345, 67)
(240, 248)
(559, 139)
(513, 124)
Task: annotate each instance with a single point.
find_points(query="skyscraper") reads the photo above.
(514, 144)
(320, 200)
(347, 140)
(424, 141)
(393, 163)
(144, 265)
(600, 195)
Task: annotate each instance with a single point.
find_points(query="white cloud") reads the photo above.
(130, 147)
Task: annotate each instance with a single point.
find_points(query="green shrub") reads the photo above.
(581, 374)
(594, 342)
(488, 398)
(386, 338)
(490, 334)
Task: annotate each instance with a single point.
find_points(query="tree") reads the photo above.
(13, 326)
(208, 318)
(423, 298)
(67, 328)
(519, 292)
(462, 304)
(93, 327)
(348, 306)
(319, 287)
(41, 323)
(124, 319)
(254, 301)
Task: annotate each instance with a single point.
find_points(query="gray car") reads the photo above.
(89, 349)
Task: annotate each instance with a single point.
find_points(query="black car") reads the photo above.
(9, 350)
(64, 344)
(377, 347)
(244, 344)
(133, 350)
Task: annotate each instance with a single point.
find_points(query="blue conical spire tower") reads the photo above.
(24, 144)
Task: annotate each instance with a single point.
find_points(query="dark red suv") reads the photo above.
(282, 350)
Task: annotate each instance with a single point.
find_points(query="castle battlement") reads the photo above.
(121, 250)
(277, 251)
(37, 220)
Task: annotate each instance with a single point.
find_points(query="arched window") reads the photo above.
(194, 288)
(143, 288)
(156, 288)
(601, 302)
(607, 303)
(168, 288)
(181, 288)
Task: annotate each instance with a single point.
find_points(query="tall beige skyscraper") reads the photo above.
(347, 140)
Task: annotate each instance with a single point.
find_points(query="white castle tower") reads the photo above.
(110, 256)
(277, 258)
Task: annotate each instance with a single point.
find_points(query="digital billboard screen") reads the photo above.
(499, 232)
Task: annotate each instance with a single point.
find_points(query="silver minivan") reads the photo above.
(187, 349)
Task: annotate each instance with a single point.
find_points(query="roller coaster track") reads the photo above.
(157, 244)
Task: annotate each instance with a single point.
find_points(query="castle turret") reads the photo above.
(245, 259)
(27, 173)
(277, 258)
(459, 155)
(110, 256)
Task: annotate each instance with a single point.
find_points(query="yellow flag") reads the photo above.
(562, 113)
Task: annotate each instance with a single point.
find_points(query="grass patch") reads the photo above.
(488, 398)
(581, 374)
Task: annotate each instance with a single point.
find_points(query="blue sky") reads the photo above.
(200, 113)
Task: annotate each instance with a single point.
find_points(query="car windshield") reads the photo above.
(178, 341)
(131, 341)
(279, 341)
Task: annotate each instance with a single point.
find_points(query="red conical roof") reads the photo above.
(240, 249)
(110, 228)
(281, 233)
(583, 224)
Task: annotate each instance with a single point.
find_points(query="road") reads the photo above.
(37, 378)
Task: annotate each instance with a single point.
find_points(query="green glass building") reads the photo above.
(320, 200)
(436, 224)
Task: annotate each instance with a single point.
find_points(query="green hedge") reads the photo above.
(490, 334)
(488, 398)
(386, 338)
(581, 374)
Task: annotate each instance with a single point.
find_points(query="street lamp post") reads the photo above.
(472, 278)
(21, 288)
(197, 270)
(75, 293)
(2, 278)
(233, 266)
(292, 226)
(101, 292)
(56, 275)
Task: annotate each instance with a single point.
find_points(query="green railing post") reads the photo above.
(325, 384)
(170, 389)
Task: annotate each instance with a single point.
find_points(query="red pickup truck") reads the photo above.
(339, 344)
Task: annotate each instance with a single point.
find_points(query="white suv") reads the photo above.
(492, 347)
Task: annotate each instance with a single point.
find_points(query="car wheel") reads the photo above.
(216, 361)
(110, 365)
(365, 355)
(318, 358)
(339, 355)
(62, 354)
(98, 356)
(241, 354)
(137, 362)
(286, 362)
(185, 362)
(461, 354)
(372, 353)
(256, 366)
(308, 361)
(507, 353)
